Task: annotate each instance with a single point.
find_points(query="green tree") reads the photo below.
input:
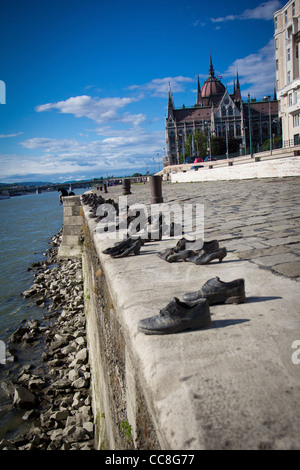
(276, 143)
(200, 144)
(218, 145)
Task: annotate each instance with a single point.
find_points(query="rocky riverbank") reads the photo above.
(51, 393)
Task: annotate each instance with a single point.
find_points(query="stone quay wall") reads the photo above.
(70, 247)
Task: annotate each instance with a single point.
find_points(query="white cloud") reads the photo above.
(100, 110)
(4, 136)
(159, 86)
(264, 11)
(120, 151)
(256, 71)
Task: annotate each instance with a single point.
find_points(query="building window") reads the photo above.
(275, 22)
(277, 66)
(265, 129)
(297, 51)
(289, 54)
(285, 17)
(255, 130)
(294, 9)
(289, 77)
(290, 99)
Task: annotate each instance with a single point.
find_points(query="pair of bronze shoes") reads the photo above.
(197, 252)
(193, 312)
(124, 248)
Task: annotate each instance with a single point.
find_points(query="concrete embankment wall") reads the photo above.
(122, 419)
(121, 415)
(238, 170)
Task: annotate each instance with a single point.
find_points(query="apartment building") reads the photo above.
(287, 50)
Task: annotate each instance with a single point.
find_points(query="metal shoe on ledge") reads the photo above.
(124, 248)
(118, 247)
(216, 291)
(205, 258)
(187, 249)
(177, 316)
(133, 247)
(197, 245)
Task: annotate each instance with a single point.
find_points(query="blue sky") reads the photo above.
(87, 81)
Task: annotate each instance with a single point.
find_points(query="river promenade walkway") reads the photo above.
(236, 384)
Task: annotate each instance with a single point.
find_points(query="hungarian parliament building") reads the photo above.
(219, 113)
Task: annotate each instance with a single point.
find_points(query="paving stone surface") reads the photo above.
(259, 219)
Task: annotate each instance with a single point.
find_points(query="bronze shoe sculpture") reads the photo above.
(177, 316)
(188, 249)
(197, 245)
(133, 247)
(205, 258)
(216, 291)
(118, 247)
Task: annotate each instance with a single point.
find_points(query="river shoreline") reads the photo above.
(48, 393)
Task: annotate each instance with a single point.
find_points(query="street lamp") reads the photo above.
(270, 124)
(226, 133)
(158, 161)
(208, 138)
(250, 126)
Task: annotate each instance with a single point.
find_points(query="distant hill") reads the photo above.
(28, 183)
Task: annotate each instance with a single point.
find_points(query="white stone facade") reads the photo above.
(287, 50)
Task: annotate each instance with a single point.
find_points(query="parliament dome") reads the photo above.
(212, 86)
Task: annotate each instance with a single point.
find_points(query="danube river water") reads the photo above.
(27, 225)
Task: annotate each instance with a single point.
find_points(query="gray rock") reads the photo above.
(81, 382)
(56, 435)
(60, 415)
(73, 375)
(30, 414)
(24, 399)
(74, 434)
(36, 384)
(88, 426)
(6, 445)
(8, 388)
(17, 336)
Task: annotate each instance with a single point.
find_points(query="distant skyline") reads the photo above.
(87, 81)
